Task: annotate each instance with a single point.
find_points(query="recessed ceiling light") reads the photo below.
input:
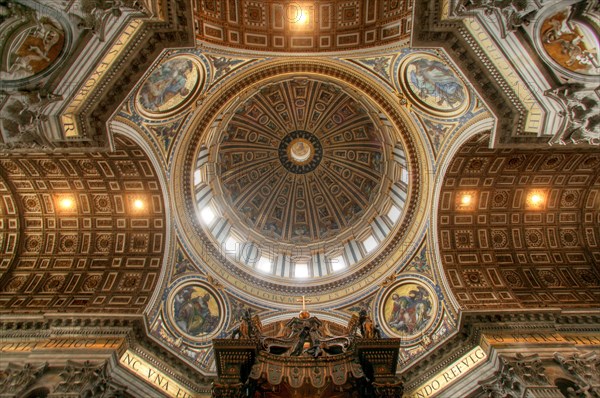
(138, 204)
(535, 199)
(302, 16)
(67, 203)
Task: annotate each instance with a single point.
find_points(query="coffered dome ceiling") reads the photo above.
(306, 178)
(300, 161)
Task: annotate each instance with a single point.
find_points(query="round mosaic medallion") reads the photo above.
(300, 152)
(170, 86)
(195, 310)
(433, 86)
(409, 308)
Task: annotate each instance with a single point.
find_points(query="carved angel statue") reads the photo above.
(326, 332)
(249, 326)
(582, 110)
(97, 13)
(512, 13)
(362, 324)
(21, 119)
(283, 330)
(353, 325)
(303, 337)
(367, 327)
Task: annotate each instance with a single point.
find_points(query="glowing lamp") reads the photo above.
(138, 204)
(67, 203)
(535, 199)
(302, 17)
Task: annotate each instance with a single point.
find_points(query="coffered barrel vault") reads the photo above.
(101, 254)
(501, 246)
(301, 26)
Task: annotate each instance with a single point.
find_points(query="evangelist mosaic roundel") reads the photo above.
(409, 308)
(433, 86)
(170, 86)
(195, 310)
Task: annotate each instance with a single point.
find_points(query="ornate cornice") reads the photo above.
(429, 30)
(474, 324)
(131, 330)
(498, 51)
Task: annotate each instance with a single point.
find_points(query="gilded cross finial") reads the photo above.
(303, 314)
(303, 300)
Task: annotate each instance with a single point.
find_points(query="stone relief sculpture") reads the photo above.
(15, 379)
(586, 366)
(305, 335)
(87, 379)
(249, 326)
(35, 44)
(505, 383)
(97, 13)
(22, 116)
(582, 113)
(362, 325)
(528, 368)
(511, 14)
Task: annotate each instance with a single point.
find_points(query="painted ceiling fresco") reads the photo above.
(293, 200)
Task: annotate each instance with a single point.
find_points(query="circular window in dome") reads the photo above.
(300, 152)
